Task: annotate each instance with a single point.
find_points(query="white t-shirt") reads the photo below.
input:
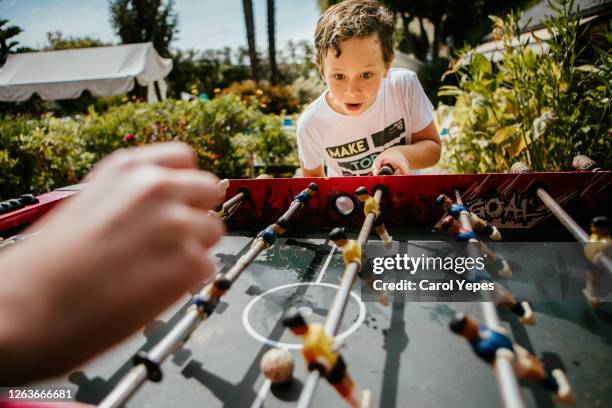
(348, 145)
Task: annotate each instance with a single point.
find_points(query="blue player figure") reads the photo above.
(310, 191)
(501, 295)
(453, 227)
(271, 232)
(490, 343)
(478, 223)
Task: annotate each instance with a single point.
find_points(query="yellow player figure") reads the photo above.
(351, 252)
(320, 355)
(351, 249)
(371, 206)
(600, 244)
(220, 211)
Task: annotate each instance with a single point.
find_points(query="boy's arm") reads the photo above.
(316, 172)
(424, 151)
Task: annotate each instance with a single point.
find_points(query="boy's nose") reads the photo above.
(352, 88)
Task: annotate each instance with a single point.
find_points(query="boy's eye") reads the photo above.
(338, 77)
(366, 75)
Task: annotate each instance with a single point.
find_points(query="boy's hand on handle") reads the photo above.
(108, 260)
(386, 170)
(393, 158)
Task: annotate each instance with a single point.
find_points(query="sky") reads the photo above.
(203, 24)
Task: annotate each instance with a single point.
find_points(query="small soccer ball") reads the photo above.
(277, 365)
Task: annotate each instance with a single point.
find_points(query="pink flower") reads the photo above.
(130, 137)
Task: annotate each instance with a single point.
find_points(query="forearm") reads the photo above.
(37, 312)
(17, 310)
(422, 154)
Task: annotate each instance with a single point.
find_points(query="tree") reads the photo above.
(136, 21)
(249, 20)
(57, 41)
(6, 46)
(454, 22)
(272, 43)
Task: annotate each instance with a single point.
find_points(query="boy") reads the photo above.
(370, 115)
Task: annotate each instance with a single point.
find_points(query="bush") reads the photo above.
(309, 87)
(270, 98)
(41, 154)
(542, 110)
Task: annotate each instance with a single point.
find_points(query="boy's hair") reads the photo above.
(354, 19)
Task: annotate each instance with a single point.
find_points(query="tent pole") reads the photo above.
(157, 91)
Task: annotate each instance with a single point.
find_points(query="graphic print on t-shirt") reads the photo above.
(389, 133)
(348, 149)
(362, 166)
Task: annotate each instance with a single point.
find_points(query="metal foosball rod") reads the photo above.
(564, 218)
(336, 311)
(504, 372)
(147, 365)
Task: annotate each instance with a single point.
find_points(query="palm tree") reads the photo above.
(6, 46)
(247, 6)
(272, 42)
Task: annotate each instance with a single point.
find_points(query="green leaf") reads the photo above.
(480, 65)
(505, 133)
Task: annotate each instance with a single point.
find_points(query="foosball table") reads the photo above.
(278, 256)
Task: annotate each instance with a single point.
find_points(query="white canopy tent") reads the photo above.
(103, 71)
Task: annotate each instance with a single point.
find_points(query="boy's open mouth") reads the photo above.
(353, 106)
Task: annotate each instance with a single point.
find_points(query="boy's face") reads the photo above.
(353, 79)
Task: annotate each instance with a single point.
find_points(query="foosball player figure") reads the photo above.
(271, 232)
(351, 252)
(206, 301)
(351, 249)
(489, 343)
(371, 206)
(478, 223)
(308, 192)
(523, 309)
(501, 295)
(460, 235)
(319, 354)
(600, 244)
(219, 210)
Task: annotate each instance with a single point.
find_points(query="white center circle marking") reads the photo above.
(294, 346)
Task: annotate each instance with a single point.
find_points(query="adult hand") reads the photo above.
(107, 261)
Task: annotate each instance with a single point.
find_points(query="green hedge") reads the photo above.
(39, 154)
